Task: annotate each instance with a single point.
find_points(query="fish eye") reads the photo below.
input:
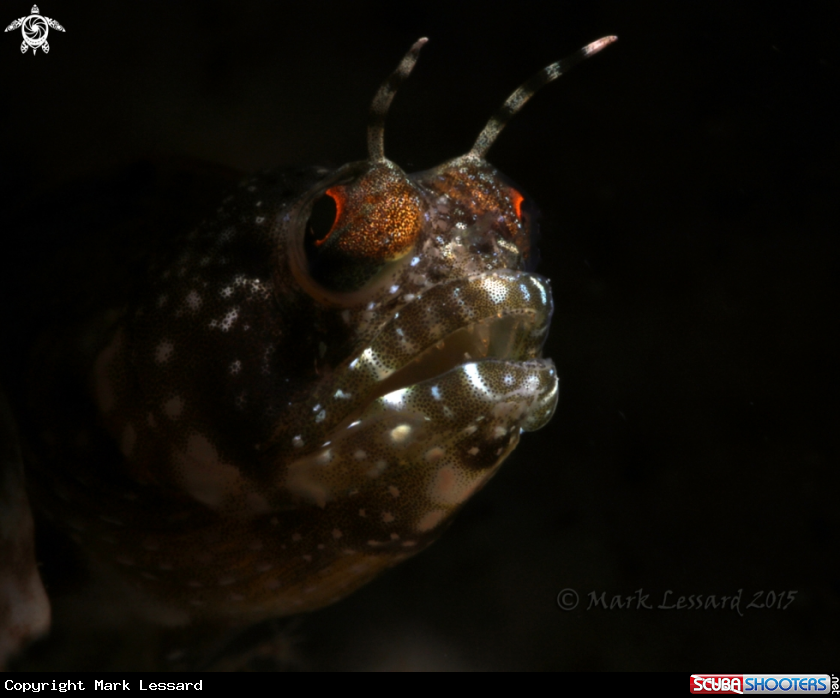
(517, 200)
(329, 265)
(527, 216)
(322, 219)
(360, 226)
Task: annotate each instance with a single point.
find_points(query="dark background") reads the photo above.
(689, 188)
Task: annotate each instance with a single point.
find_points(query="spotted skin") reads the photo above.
(270, 415)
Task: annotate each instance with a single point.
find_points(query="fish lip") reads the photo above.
(458, 425)
(536, 300)
(518, 301)
(380, 413)
(448, 310)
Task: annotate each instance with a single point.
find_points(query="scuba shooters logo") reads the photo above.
(755, 684)
(35, 28)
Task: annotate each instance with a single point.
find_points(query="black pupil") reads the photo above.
(322, 218)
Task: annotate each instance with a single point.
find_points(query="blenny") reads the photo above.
(296, 394)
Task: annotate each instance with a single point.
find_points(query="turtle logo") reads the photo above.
(35, 28)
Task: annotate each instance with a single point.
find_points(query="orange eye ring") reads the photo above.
(338, 200)
(517, 199)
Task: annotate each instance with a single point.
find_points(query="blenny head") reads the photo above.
(427, 271)
(308, 386)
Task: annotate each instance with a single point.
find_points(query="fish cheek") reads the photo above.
(187, 387)
(417, 454)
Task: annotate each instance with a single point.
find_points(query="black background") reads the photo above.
(688, 182)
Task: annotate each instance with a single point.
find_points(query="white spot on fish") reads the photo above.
(206, 477)
(163, 352)
(396, 398)
(429, 520)
(471, 370)
(497, 291)
(400, 433)
(229, 319)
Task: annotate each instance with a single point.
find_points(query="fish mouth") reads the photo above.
(446, 386)
(497, 320)
(484, 324)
